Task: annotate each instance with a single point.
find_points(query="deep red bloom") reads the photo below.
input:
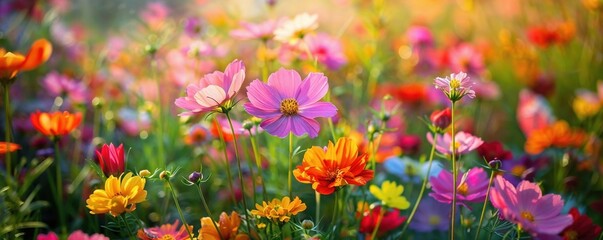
(581, 228)
(410, 144)
(111, 159)
(494, 150)
(391, 220)
(441, 119)
(542, 36)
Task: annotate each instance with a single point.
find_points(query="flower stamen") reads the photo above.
(289, 106)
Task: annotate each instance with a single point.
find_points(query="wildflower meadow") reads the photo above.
(283, 119)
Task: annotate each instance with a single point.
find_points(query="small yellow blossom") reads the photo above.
(118, 196)
(390, 195)
(279, 210)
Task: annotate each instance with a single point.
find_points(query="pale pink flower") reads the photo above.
(464, 143)
(471, 186)
(533, 112)
(214, 92)
(294, 30)
(526, 207)
(456, 86)
(262, 31)
(326, 50)
(61, 85)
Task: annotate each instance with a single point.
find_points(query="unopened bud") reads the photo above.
(164, 175)
(495, 164)
(307, 224)
(144, 173)
(194, 177)
(441, 119)
(247, 125)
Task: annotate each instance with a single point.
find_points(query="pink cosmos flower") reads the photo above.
(214, 92)
(526, 207)
(326, 50)
(165, 231)
(287, 104)
(59, 84)
(193, 26)
(466, 58)
(419, 36)
(533, 112)
(464, 143)
(471, 186)
(77, 235)
(456, 86)
(263, 31)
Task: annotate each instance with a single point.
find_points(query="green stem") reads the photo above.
(518, 233)
(207, 209)
(59, 185)
(317, 198)
(160, 120)
(130, 235)
(454, 173)
(258, 162)
(335, 209)
(226, 160)
(8, 129)
(236, 150)
(290, 165)
(481, 218)
(188, 230)
(423, 186)
(379, 219)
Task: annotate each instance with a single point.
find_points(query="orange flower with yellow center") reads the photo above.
(228, 225)
(8, 147)
(55, 124)
(118, 196)
(279, 210)
(338, 166)
(557, 135)
(12, 63)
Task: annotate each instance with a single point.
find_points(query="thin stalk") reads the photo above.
(8, 129)
(264, 61)
(289, 173)
(188, 230)
(160, 121)
(236, 150)
(228, 174)
(207, 209)
(423, 187)
(454, 173)
(379, 219)
(518, 233)
(59, 185)
(317, 198)
(127, 227)
(258, 162)
(481, 218)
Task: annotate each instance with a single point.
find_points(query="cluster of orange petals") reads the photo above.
(279, 210)
(56, 123)
(8, 147)
(228, 225)
(338, 166)
(558, 134)
(12, 63)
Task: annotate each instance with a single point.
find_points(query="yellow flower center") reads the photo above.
(463, 189)
(527, 216)
(168, 237)
(337, 177)
(518, 170)
(571, 235)
(434, 220)
(455, 83)
(289, 106)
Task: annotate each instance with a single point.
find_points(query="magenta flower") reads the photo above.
(526, 207)
(215, 92)
(263, 31)
(77, 235)
(464, 143)
(326, 50)
(287, 104)
(61, 85)
(456, 86)
(419, 36)
(111, 159)
(471, 186)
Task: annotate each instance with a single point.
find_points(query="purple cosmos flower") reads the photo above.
(59, 84)
(464, 143)
(456, 86)
(193, 26)
(471, 186)
(214, 92)
(419, 37)
(249, 31)
(526, 207)
(431, 215)
(326, 50)
(287, 104)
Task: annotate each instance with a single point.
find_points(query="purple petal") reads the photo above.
(285, 82)
(553, 225)
(301, 125)
(312, 89)
(260, 112)
(319, 109)
(277, 126)
(547, 207)
(263, 96)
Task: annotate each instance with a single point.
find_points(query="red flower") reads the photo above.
(493, 150)
(410, 144)
(391, 220)
(582, 227)
(111, 159)
(441, 119)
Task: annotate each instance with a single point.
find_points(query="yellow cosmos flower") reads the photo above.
(390, 195)
(279, 210)
(118, 196)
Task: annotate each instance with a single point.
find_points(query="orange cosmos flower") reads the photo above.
(8, 147)
(338, 166)
(12, 63)
(557, 135)
(279, 210)
(228, 225)
(55, 124)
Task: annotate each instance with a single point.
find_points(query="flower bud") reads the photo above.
(194, 177)
(144, 173)
(307, 224)
(165, 175)
(495, 164)
(441, 119)
(247, 125)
